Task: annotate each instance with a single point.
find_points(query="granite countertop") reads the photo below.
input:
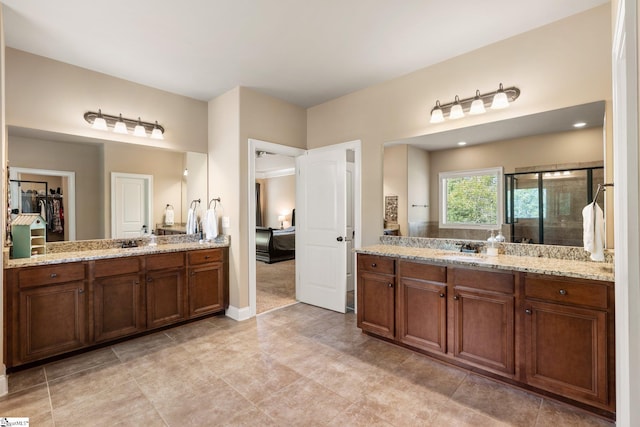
(93, 254)
(540, 265)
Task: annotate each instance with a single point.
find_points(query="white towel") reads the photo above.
(211, 224)
(191, 222)
(43, 210)
(593, 231)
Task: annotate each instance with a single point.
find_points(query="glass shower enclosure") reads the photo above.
(546, 206)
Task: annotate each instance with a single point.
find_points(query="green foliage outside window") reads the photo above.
(472, 199)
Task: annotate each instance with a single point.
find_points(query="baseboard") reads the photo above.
(239, 314)
(4, 385)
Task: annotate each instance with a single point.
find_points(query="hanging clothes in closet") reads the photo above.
(55, 216)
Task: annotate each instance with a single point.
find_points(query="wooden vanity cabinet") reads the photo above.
(118, 298)
(47, 314)
(207, 281)
(568, 338)
(165, 287)
(483, 318)
(376, 295)
(421, 308)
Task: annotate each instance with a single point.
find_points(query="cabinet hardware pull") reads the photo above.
(374, 265)
(563, 292)
(528, 311)
(441, 295)
(53, 275)
(390, 285)
(206, 257)
(135, 282)
(456, 297)
(81, 291)
(149, 279)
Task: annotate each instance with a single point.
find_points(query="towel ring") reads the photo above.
(215, 201)
(194, 202)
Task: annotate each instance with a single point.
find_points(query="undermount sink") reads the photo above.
(462, 256)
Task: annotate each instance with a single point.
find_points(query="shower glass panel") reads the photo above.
(546, 207)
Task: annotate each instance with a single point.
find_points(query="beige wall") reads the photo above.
(559, 65)
(234, 118)
(553, 149)
(165, 166)
(50, 95)
(279, 197)
(83, 159)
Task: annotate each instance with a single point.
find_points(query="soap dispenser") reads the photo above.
(492, 250)
(152, 240)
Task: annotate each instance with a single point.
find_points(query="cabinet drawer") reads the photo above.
(117, 266)
(205, 256)
(38, 276)
(485, 280)
(164, 261)
(432, 273)
(376, 264)
(566, 291)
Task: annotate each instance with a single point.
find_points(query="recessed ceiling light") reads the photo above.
(462, 143)
(579, 125)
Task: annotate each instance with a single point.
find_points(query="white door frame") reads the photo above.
(626, 212)
(257, 145)
(70, 197)
(149, 184)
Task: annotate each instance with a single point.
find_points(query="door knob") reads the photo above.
(339, 239)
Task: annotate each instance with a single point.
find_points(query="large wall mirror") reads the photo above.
(554, 163)
(76, 172)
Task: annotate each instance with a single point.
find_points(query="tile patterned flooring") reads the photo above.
(300, 365)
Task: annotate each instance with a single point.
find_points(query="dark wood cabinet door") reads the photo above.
(422, 314)
(118, 306)
(484, 329)
(165, 297)
(206, 289)
(52, 321)
(376, 300)
(566, 350)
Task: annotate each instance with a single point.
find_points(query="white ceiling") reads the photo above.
(302, 51)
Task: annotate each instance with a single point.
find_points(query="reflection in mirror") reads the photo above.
(92, 162)
(540, 142)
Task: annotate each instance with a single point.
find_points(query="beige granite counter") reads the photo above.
(86, 253)
(557, 267)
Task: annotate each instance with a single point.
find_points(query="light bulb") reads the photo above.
(99, 122)
(477, 106)
(436, 114)
(120, 126)
(139, 130)
(500, 99)
(156, 133)
(456, 110)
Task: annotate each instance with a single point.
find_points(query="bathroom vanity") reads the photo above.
(68, 301)
(543, 324)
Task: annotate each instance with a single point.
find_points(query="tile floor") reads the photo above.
(299, 365)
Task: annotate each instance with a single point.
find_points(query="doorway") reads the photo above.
(131, 205)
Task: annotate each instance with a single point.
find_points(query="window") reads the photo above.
(471, 199)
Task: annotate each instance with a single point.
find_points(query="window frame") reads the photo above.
(498, 172)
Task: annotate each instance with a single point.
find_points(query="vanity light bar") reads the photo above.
(474, 104)
(123, 125)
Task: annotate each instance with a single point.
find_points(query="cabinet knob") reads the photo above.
(390, 285)
(135, 282)
(374, 265)
(528, 311)
(441, 295)
(456, 297)
(207, 257)
(81, 291)
(53, 275)
(563, 291)
(149, 279)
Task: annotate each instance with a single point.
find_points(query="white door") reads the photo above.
(350, 233)
(130, 205)
(321, 247)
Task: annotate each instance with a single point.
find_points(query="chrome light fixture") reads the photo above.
(123, 125)
(477, 104)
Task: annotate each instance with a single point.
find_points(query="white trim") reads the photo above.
(238, 314)
(69, 199)
(276, 174)
(626, 213)
(149, 184)
(499, 171)
(258, 145)
(4, 384)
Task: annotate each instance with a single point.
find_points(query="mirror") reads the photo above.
(91, 162)
(540, 142)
